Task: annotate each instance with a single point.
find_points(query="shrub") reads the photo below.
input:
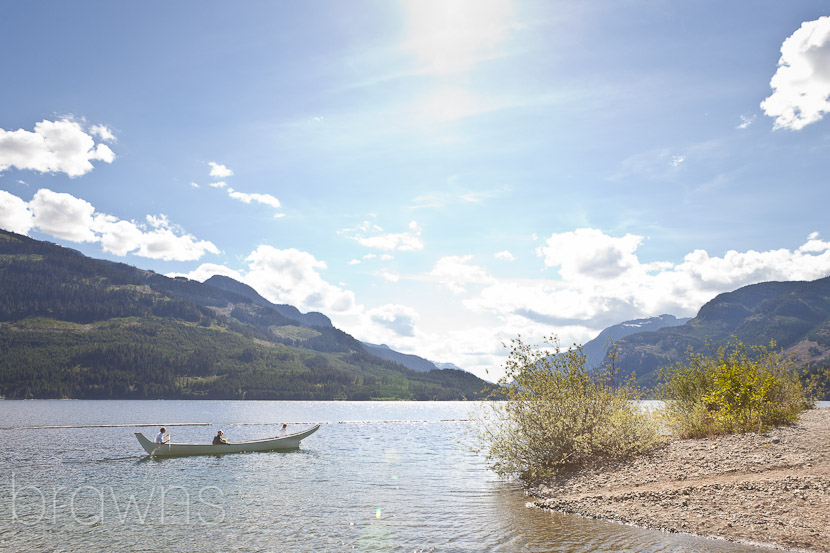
(737, 390)
(555, 415)
(816, 380)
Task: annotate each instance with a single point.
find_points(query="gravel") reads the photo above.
(771, 489)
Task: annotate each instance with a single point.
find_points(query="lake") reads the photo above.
(378, 476)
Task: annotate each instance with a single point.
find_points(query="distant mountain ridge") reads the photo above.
(406, 359)
(312, 318)
(595, 350)
(796, 315)
(447, 366)
(77, 327)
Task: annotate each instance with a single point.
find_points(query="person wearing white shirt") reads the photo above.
(282, 432)
(162, 437)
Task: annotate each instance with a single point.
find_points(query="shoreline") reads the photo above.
(770, 489)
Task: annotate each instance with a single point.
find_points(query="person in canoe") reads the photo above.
(219, 439)
(282, 432)
(163, 437)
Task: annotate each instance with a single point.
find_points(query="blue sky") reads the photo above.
(436, 176)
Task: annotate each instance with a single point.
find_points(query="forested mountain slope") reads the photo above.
(76, 327)
(795, 315)
(595, 350)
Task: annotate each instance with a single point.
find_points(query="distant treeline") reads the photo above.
(158, 358)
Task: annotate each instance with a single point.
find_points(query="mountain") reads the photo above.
(596, 349)
(796, 315)
(76, 327)
(310, 319)
(314, 319)
(407, 360)
(448, 366)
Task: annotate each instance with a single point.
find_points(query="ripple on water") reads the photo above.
(382, 486)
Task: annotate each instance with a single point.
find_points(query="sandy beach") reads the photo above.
(771, 489)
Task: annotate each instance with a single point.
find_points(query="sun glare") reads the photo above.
(447, 36)
(447, 104)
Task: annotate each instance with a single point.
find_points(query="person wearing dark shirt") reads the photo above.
(219, 439)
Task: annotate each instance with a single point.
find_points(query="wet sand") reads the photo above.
(771, 489)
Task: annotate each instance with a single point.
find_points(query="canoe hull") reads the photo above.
(292, 441)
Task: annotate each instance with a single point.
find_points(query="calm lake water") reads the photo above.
(363, 482)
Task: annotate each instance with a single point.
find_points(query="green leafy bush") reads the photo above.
(555, 415)
(737, 390)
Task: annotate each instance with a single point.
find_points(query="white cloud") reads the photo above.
(194, 184)
(53, 147)
(102, 132)
(292, 276)
(801, 85)
(391, 277)
(218, 170)
(117, 236)
(164, 243)
(456, 273)
(589, 253)
(504, 256)
(65, 216)
(354, 262)
(400, 319)
(15, 214)
(746, 121)
(677, 160)
(603, 282)
(372, 236)
(544, 303)
(266, 199)
(207, 270)
(576, 308)
(814, 244)
(158, 221)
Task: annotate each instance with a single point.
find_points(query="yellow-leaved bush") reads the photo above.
(738, 389)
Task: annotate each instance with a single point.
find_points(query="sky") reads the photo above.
(437, 176)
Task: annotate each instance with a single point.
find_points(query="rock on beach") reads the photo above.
(771, 489)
